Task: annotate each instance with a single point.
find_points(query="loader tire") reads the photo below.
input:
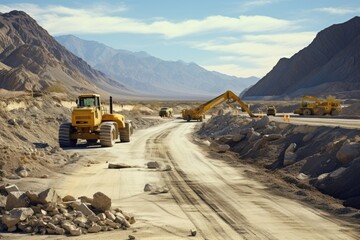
(65, 130)
(307, 112)
(107, 134)
(125, 133)
(188, 118)
(334, 112)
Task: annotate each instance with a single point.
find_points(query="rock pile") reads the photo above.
(47, 213)
(325, 157)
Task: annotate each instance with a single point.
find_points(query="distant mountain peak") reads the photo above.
(330, 65)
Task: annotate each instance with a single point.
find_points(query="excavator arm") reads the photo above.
(199, 112)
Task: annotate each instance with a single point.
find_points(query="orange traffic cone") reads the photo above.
(288, 118)
(284, 117)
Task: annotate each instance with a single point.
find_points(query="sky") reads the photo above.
(234, 37)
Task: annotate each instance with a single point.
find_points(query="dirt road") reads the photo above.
(206, 194)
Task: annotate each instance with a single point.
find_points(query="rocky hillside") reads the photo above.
(149, 74)
(330, 65)
(30, 59)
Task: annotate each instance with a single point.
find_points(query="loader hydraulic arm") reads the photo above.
(230, 97)
(312, 98)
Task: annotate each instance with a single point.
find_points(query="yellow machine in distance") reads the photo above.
(91, 122)
(310, 105)
(199, 112)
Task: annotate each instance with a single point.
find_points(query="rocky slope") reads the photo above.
(308, 157)
(149, 74)
(330, 65)
(30, 59)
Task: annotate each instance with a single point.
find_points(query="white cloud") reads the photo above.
(339, 11)
(255, 54)
(64, 20)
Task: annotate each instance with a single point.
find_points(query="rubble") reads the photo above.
(327, 158)
(47, 213)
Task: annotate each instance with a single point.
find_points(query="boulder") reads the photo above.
(238, 137)
(149, 187)
(102, 216)
(85, 199)
(110, 215)
(33, 196)
(84, 209)
(101, 202)
(68, 198)
(253, 136)
(11, 188)
(48, 196)
(16, 215)
(261, 123)
(290, 155)
(153, 165)
(348, 151)
(17, 200)
(94, 228)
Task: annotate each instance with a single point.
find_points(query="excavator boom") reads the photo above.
(199, 112)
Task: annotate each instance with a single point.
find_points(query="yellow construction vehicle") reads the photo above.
(199, 112)
(312, 106)
(91, 122)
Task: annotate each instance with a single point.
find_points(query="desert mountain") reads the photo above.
(31, 59)
(146, 73)
(330, 65)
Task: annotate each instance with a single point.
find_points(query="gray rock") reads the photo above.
(101, 202)
(238, 137)
(348, 152)
(153, 165)
(23, 173)
(84, 209)
(261, 123)
(102, 216)
(16, 215)
(48, 196)
(94, 228)
(290, 155)
(110, 215)
(149, 187)
(11, 188)
(272, 137)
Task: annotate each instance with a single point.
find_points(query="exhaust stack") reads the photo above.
(111, 105)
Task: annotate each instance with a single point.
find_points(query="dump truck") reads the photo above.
(271, 110)
(166, 112)
(199, 112)
(90, 121)
(311, 105)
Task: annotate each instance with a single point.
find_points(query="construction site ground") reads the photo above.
(215, 193)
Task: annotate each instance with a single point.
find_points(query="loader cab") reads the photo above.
(88, 101)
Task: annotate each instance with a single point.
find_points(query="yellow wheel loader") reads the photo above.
(312, 106)
(91, 122)
(199, 112)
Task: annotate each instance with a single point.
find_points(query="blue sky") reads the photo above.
(240, 38)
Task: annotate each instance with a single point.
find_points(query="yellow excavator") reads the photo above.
(311, 105)
(91, 122)
(199, 112)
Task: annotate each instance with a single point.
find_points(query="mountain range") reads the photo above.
(330, 65)
(30, 59)
(148, 74)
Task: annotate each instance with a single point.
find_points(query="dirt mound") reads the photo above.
(326, 158)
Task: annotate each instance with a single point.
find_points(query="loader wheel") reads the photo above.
(125, 133)
(334, 112)
(65, 130)
(188, 118)
(107, 134)
(307, 112)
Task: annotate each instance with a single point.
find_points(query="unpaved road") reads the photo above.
(207, 194)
